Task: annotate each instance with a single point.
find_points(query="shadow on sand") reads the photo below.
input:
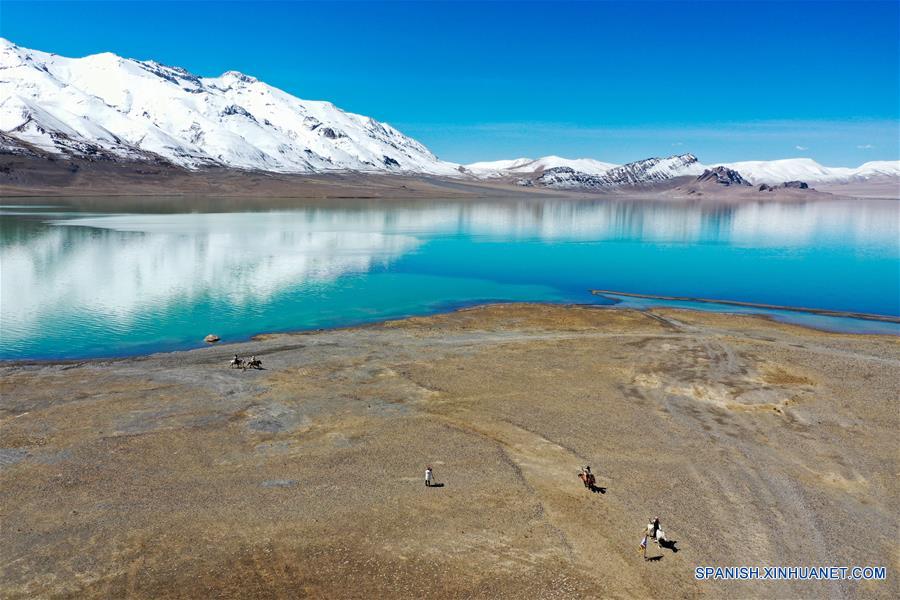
(669, 545)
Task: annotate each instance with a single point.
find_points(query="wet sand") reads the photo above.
(755, 442)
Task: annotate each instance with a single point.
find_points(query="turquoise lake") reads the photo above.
(87, 279)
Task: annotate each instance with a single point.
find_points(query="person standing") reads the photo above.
(429, 476)
(649, 534)
(657, 532)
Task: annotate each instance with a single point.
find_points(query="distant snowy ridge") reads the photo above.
(524, 166)
(650, 170)
(107, 107)
(565, 173)
(808, 170)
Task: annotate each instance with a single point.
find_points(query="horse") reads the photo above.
(254, 363)
(236, 363)
(589, 481)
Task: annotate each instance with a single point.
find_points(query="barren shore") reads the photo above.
(755, 442)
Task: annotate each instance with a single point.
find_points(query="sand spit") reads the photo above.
(813, 311)
(756, 443)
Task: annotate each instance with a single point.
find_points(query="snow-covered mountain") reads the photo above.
(806, 169)
(640, 172)
(654, 169)
(566, 174)
(528, 166)
(106, 106)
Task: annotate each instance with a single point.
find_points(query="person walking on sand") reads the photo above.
(429, 476)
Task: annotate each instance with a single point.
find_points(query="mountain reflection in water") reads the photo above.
(85, 280)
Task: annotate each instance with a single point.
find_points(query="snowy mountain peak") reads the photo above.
(238, 76)
(109, 107)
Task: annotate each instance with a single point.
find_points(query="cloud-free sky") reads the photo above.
(615, 81)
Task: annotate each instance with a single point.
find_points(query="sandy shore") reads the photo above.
(21, 178)
(756, 443)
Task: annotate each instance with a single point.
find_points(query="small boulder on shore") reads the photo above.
(211, 338)
(797, 185)
(800, 185)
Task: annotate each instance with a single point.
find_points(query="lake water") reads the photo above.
(84, 280)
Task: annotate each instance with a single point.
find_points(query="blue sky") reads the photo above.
(488, 80)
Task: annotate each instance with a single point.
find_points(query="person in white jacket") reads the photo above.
(655, 532)
(429, 476)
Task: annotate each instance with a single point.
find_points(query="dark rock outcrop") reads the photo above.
(234, 109)
(722, 176)
(567, 177)
(800, 185)
(796, 185)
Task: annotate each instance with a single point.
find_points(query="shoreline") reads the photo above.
(24, 177)
(174, 475)
(615, 306)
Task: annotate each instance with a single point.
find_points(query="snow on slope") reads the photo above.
(635, 173)
(112, 107)
(496, 168)
(587, 173)
(808, 170)
(526, 166)
(878, 168)
(658, 169)
(107, 107)
(777, 171)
